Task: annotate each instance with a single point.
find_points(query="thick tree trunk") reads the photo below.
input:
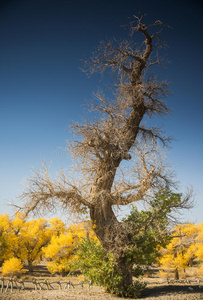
(105, 221)
(125, 269)
(113, 238)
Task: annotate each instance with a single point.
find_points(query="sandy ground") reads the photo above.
(96, 293)
(154, 290)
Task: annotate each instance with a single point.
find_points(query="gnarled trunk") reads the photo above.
(125, 268)
(113, 238)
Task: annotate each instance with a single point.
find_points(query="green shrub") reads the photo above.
(99, 267)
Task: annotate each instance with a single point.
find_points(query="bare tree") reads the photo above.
(116, 134)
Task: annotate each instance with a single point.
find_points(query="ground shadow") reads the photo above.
(38, 271)
(169, 289)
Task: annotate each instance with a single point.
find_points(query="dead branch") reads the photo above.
(42, 194)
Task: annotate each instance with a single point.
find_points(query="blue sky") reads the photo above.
(42, 88)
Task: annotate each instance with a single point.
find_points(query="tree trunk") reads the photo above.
(125, 269)
(114, 239)
(176, 274)
(30, 266)
(107, 227)
(63, 273)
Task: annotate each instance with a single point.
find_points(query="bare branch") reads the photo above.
(42, 194)
(146, 178)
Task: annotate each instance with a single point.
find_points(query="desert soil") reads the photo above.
(154, 290)
(169, 292)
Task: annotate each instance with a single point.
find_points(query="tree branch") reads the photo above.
(42, 194)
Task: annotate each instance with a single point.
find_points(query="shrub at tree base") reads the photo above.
(99, 267)
(12, 267)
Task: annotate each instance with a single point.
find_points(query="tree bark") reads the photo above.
(30, 266)
(126, 271)
(112, 237)
(176, 274)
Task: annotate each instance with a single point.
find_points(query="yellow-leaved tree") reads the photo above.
(199, 249)
(9, 236)
(16, 226)
(5, 238)
(62, 248)
(33, 236)
(184, 248)
(57, 226)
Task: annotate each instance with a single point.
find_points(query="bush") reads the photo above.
(12, 267)
(57, 267)
(99, 267)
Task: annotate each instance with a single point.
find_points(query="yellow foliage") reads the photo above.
(55, 266)
(21, 238)
(185, 246)
(57, 226)
(28, 240)
(18, 222)
(62, 248)
(12, 267)
(7, 238)
(5, 222)
(166, 260)
(59, 246)
(34, 235)
(199, 252)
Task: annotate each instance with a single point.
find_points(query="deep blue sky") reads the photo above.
(42, 88)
